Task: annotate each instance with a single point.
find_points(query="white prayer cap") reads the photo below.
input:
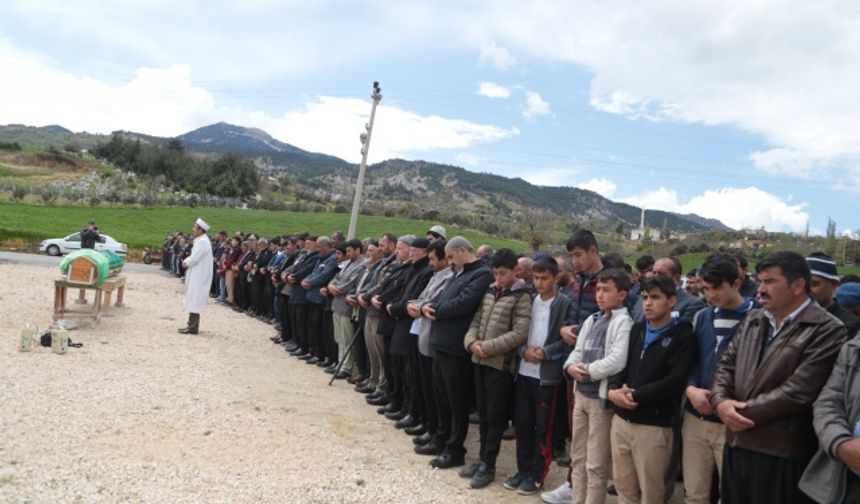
(202, 224)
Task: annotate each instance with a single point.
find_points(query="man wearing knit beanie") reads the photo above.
(848, 297)
(825, 280)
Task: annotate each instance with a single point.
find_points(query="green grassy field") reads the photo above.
(690, 261)
(139, 227)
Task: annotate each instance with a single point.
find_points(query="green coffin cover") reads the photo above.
(100, 260)
(116, 262)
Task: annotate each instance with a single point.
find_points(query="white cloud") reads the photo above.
(657, 199)
(713, 64)
(466, 159)
(734, 207)
(165, 101)
(535, 106)
(496, 56)
(550, 176)
(602, 186)
(493, 90)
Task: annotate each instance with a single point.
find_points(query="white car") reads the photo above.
(61, 246)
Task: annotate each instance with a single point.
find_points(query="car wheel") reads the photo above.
(53, 250)
(147, 259)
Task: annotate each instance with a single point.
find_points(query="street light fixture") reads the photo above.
(365, 145)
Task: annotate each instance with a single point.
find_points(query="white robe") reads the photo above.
(198, 276)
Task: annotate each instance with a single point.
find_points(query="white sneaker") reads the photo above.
(561, 495)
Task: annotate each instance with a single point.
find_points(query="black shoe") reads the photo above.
(514, 481)
(447, 461)
(276, 340)
(323, 363)
(429, 449)
(483, 477)
(423, 439)
(510, 433)
(474, 418)
(470, 470)
(365, 389)
(396, 415)
(341, 376)
(378, 401)
(416, 430)
(296, 352)
(329, 370)
(306, 356)
(405, 422)
(388, 408)
(529, 487)
(312, 360)
(184, 330)
(611, 490)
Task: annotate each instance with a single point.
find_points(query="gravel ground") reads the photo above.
(143, 414)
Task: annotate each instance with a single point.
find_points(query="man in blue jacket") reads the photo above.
(451, 313)
(323, 272)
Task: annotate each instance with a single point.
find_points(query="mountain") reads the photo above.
(437, 186)
(396, 186)
(47, 136)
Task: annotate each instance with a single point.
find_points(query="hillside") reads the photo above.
(429, 184)
(416, 189)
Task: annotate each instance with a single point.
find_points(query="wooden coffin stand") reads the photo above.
(83, 275)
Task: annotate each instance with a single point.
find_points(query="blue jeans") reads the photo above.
(222, 289)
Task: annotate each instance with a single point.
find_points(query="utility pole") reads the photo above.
(365, 146)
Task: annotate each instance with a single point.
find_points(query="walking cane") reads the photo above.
(345, 356)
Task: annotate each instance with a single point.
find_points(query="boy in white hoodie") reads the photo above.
(600, 352)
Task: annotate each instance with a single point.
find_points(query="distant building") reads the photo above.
(640, 233)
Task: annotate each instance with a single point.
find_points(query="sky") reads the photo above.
(744, 111)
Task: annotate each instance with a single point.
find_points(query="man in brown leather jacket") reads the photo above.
(766, 382)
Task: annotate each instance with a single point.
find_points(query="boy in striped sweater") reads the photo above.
(714, 327)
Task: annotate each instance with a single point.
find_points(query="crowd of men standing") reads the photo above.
(746, 380)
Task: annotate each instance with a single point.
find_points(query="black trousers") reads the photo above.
(397, 391)
(244, 290)
(215, 287)
(359, 351)
(313, 327)
(493, 390)
(756, 478)
(299, 320)
(286, 329)
(534, 419)
(425, 382)
(452, 381)
(416, 400)
(328, 347)
(268, 300)
(561, 424)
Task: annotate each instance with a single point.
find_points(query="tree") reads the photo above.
(831, 236)
(18, 193)
(175, 144)
(619, 229)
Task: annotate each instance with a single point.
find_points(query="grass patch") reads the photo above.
(140, 227)
(694, 260)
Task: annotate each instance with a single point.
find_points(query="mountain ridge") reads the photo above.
(421, 185)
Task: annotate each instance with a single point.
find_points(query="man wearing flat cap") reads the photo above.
(198, 277)
(825, 280)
